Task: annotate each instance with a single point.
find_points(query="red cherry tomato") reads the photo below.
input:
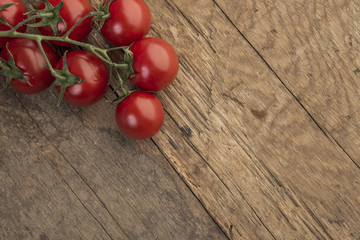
(90, 69)
(129, 21)
(13, 15)
(155, 64)
(71, 12)
(140, 115)
(29, 59)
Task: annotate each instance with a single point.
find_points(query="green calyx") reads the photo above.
(9, 70)
(3, 7)
(104, 9)
(64, 79)
(50, 15)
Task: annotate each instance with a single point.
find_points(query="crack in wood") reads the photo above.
(82, 178)
(191, 190)
(323, 130)
(88, 210)
(218, 177)
(147, 227)
(172, 8)
(316, 219)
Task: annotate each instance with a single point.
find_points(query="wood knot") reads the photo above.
(172, 143)
(259, 114)
(357, 72)
(349, 40)
(231, 234)
(186, 131)
(2, 163)
(44, 237)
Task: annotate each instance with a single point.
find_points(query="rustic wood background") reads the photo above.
(261, 137)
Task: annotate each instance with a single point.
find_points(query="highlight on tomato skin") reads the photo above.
(140, 115)
(129, 21)
(12, 15)
(155, 64)
(151, 64)
(71, 12)
(30, 60)
(92, 70)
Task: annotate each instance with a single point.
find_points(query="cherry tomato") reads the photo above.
(155, 64)
(71, 12)
(13, 15)
(140, 115)
(92, 70)
(29, 59)
(129, 21)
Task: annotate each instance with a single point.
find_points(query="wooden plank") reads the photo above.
(238, 138)
(37, 197)
(68, 173)
(314, 48)
(242, 142)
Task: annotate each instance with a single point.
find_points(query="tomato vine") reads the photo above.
(101, 53)
(61, 28)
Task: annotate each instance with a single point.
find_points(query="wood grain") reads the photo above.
(254, 155)
(68, 173)
(314, 48)
(269, 170)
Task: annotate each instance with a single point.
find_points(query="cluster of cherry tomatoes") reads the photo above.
(140, 114)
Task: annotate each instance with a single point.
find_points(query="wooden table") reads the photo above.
(261, 137)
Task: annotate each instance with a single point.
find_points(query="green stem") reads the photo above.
(95, 50)
(99, 52)
(123, 90)
(65, 38)
(22, 23)
(121, 81)
(66, 35)
(106, 59)
(46, 58)
(116, 48)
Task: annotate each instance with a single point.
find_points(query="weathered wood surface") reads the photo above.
(67, 173)
(263, 157)
(254, 127)
(314, 48)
